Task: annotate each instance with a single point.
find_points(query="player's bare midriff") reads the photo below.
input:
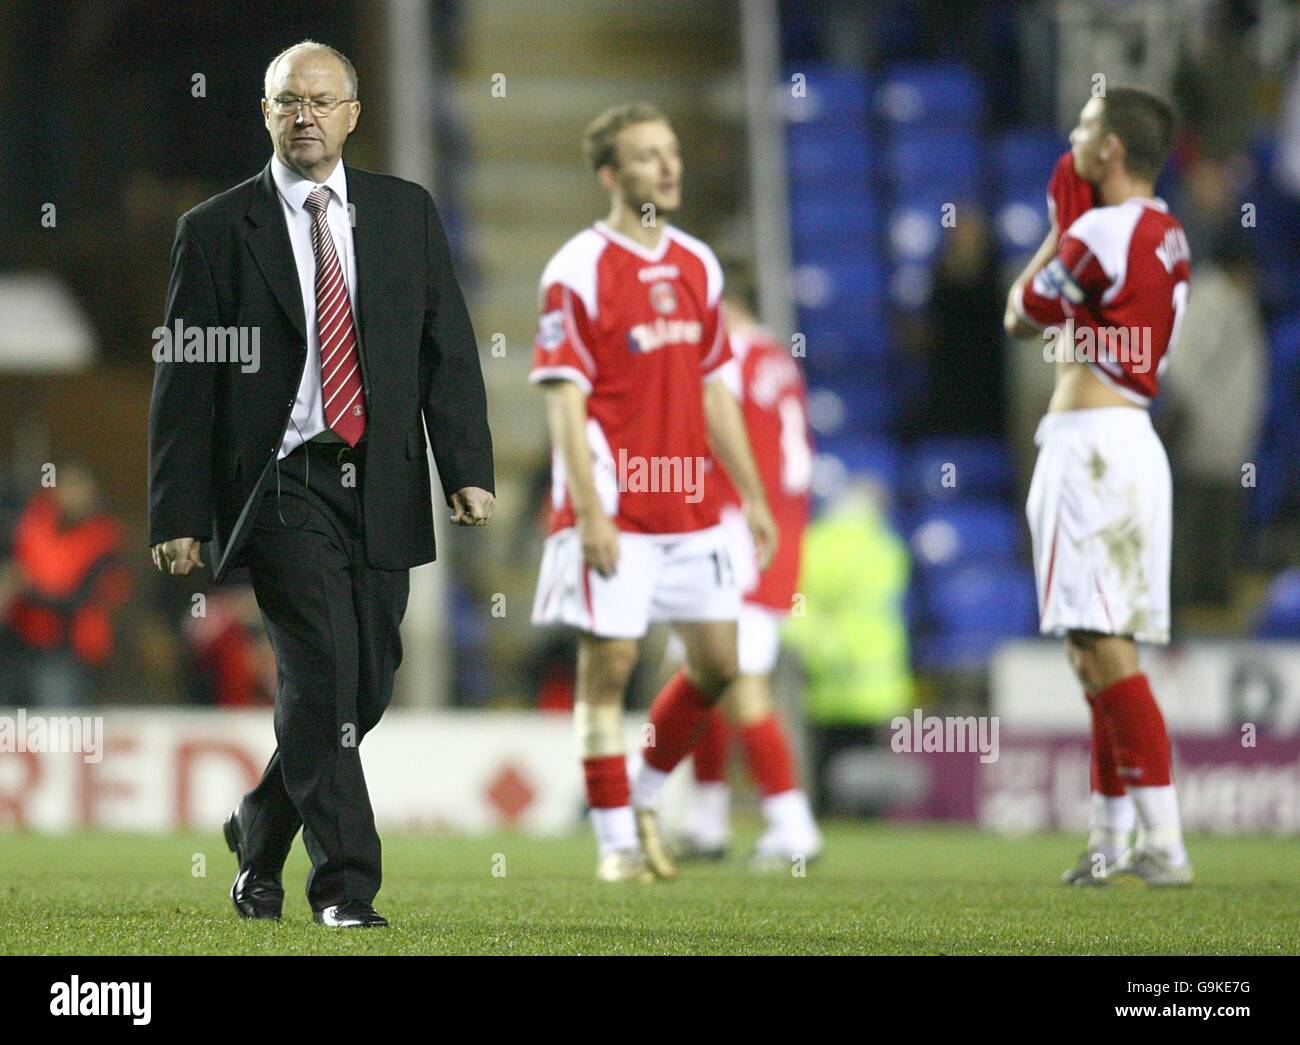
(1079, 388)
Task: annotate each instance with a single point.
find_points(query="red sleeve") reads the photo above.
(1067, 281)
(1068, 195)
(562, 348)
(715, 346)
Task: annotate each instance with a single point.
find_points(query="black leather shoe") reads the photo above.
(254, 895)
(352, 914)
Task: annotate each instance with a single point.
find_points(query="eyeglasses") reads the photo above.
(284, 104)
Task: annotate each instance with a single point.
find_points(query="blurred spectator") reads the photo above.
(234, 659)
(962, 335)
(1217, 85)
(1210, 417)
(553, 668)
(852, 635)
(1286, 170)
(1209, 196)
(58, 593)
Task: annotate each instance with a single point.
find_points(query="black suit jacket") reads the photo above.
(215, 431)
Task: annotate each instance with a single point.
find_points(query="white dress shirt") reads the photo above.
(308, 417)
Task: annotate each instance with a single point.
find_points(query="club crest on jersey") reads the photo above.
(649, 337)
(663, 298)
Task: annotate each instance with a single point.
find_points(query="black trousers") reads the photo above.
(334, 624)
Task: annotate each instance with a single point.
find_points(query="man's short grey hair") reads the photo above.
(312, 45)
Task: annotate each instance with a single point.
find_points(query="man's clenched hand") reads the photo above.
(177, 556)
(472, 506)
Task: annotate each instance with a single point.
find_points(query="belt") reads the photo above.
(337, 451)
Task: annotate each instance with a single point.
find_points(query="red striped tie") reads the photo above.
(345, 406)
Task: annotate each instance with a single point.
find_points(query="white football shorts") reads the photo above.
(758, 641)
(744, 557)
(660, 577)
(1100, 515)
(759, 627)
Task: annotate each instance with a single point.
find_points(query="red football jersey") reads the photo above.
(1122, 274)
(638, 331)
(1068, 195)
(771, 392)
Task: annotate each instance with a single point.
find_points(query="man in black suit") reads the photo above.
(305, 459)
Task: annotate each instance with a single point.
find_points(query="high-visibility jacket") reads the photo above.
(69, 581)
(850, 628)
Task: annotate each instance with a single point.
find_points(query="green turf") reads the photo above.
(877, 890)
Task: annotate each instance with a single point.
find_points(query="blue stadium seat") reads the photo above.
(1284, 342)
(913, 611)
(1023, 160)
(963, 531)
(827, 157)
(930, 94)
(946, 468)
(873, 456)
(849, 411)
(843, 350)
(967, 611)
(911, 285)
(1278, 253)
(916, 230)
(955, 652)
(1020, 223)
(935, 164)
(853, 282)
(1280, 618)
(832, 95)
(826, 225)
(989, 597)
(1278, 454)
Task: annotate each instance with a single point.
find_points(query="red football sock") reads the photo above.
(1105, 777)
(1137, 730)
(768, 756)
(711, 752)
(677, 717)
(607, 786)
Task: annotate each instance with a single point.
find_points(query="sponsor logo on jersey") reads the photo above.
(663, 298)
(550, 330)
(649, 337)
(654, 273)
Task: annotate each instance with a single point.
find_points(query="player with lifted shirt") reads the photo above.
(631, 348)
(1100, 501)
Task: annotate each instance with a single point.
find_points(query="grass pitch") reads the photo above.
(877, 890)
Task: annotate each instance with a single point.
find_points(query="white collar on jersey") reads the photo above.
(632, 245)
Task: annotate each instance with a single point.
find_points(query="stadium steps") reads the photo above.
(587, 39)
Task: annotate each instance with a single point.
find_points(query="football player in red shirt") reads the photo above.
(1100, 501)
(770, 388)
(630, 349)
